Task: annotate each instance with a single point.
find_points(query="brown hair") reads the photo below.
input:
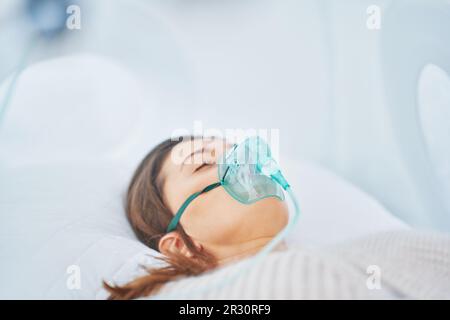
(149, 218)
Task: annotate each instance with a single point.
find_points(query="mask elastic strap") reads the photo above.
(173, 224)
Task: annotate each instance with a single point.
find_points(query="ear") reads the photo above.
(173, 243)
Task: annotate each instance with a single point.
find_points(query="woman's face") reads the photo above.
(215, 219)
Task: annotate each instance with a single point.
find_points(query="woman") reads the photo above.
(214, 230)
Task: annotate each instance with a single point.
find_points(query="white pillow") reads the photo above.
(332, 209)
(76, 108)
(61, 203)
(63, 143)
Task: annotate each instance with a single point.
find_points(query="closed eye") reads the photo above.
(203, 165)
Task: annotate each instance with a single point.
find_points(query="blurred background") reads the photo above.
(368, 99)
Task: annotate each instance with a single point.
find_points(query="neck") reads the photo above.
(232, 253)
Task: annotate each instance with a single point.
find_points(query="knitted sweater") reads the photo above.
(390, 265)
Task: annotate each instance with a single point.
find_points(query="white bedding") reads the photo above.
(388, 265)
(63, 181)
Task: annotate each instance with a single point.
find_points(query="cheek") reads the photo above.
(178, 188)
(218, 218)
(214, 218)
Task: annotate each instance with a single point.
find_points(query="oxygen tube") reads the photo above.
(246, 265)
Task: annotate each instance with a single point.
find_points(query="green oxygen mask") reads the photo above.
(247, 172)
